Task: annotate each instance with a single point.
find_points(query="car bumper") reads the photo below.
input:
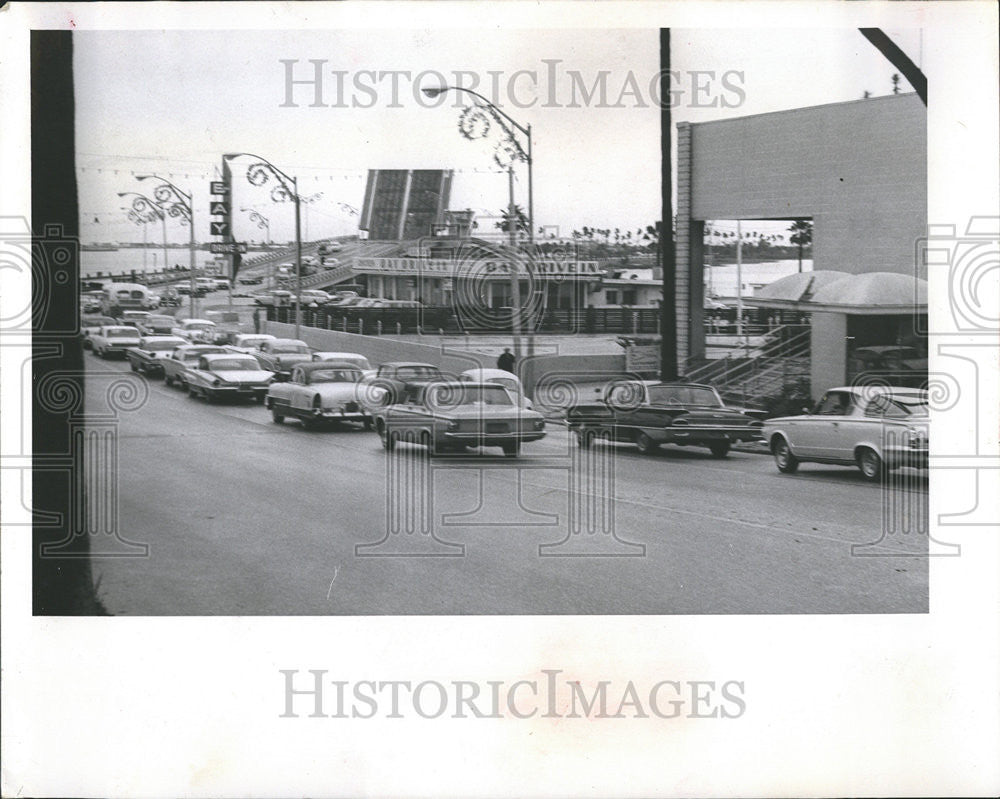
(695, 435)
(333, 414)
(914, 458)
(472, 439)
(237, 391)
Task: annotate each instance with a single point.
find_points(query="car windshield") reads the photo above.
(334, 376)
(417, 372)
(684, 395)
(252, 341)
(506, 382)
(234, 365)
(161, 346)
(123, 332)
(899, 406)
(454, 396)
(198, 326)
(290, 349)
(194, 355)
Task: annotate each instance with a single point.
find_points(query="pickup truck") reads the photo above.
(648, 414)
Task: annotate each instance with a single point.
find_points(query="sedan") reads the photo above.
(451, 416)
(177, 364)
(329, 391)
(248, 343)
(509, 381)
(156, 325)
(148, 356)
(281, 354)
(874, 428)
(195, 330)
(89, 325)
(114, 339)
(227, 375)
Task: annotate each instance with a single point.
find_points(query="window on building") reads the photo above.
(612, 297)
(629, 297)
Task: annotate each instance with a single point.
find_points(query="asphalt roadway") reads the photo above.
(243, 516)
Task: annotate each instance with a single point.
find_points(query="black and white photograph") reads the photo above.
(598, 386)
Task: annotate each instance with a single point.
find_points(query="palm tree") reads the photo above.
(802, 235)
(652, 235)
(520, 220)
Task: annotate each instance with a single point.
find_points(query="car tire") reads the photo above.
(366, 423)
(512, 450)
(168, 379)
(871, 465)
(388, 438)
(786, 462)
(132, 366)
(645, 444)
(191, 392)
(719, 449)
(276, 416)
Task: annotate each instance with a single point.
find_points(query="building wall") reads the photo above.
(577, 369)
(829, 352)
(858, 169)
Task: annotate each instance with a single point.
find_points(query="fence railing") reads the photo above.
(784, 361)
(433, 319)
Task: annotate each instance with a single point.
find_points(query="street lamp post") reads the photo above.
(145, 210)
(262, 222)
(180, 205)
(474, 124)
(258, 173)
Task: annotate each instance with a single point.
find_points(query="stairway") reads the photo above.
(783, 364)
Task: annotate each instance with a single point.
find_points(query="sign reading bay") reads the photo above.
(219, 228)
(219, 208)
(219, 187)
(227, 247)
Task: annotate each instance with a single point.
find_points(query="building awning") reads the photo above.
(883, 293)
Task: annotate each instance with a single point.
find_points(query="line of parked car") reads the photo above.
(402, 401)
(876, 428)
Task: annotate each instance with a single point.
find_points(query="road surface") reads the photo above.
(243, 516)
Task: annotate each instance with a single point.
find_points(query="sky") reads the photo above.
(171, 102)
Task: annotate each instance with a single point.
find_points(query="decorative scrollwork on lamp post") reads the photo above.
(259, 173)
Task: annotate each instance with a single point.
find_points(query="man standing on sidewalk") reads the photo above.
(506, 361)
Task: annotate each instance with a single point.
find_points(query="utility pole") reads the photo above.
(515, 278)
(668, 307)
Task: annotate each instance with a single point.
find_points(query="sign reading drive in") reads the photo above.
(484, 268)
(227, 247)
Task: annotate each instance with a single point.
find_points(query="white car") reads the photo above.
(222, 283)
(500, 377)
(359, 361)
(876, 428)
(197, 331)
(248, 343)
(114, 339)
(227, 375)
(328, 391)
(90, 325)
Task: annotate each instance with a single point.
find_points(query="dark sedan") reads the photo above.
(649, 414)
